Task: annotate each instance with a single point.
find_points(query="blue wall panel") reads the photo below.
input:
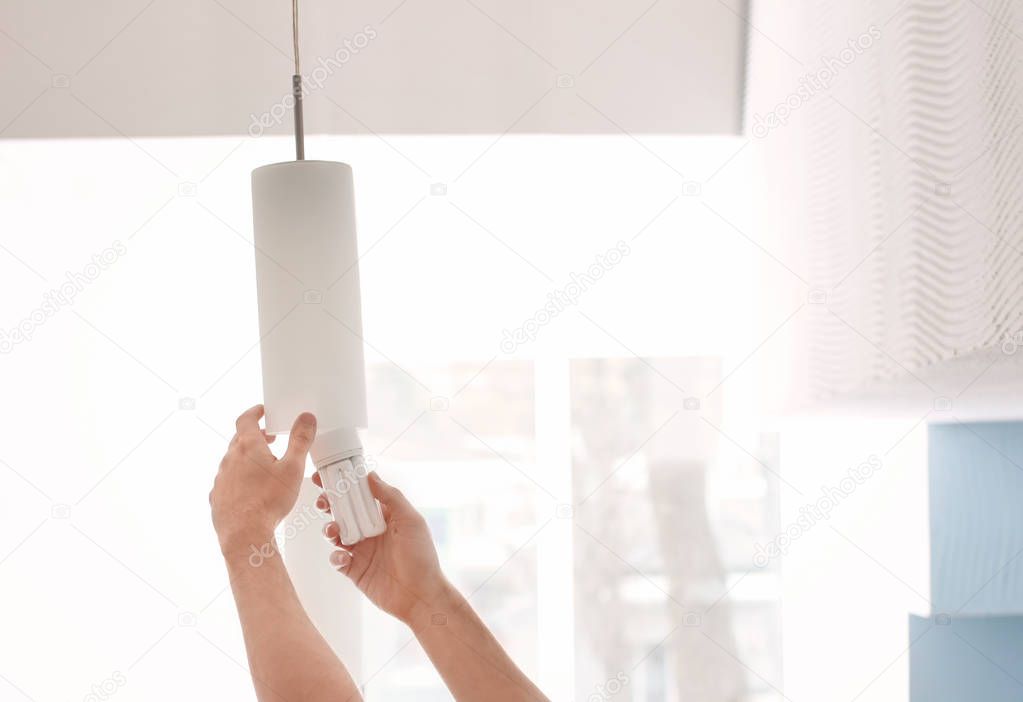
(967, 660)
(976, 518)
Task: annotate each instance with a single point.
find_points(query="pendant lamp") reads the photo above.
(310, 317)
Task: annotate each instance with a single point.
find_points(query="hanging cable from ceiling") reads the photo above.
(296, 87)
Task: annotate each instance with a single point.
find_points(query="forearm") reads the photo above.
(468, 657)
(288, 658)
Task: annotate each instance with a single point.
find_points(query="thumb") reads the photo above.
(390, 497)
(302, 434)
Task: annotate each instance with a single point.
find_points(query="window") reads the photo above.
(571, 482)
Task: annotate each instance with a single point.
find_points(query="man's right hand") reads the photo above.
(400, 573)
(398, 570)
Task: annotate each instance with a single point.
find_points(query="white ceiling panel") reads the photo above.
(205, 67)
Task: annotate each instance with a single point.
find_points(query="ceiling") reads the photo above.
(223, 67)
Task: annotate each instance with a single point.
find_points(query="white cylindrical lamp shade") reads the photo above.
(310, 312)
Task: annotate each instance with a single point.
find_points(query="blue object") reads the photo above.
(976, 516)
(972, 659)
(971, 648)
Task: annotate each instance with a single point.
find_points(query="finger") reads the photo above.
(248, 422)
(322, 504)
(270, 438)
(341, 560)
(302, 434)
(332, 533)
(390, 497)
(317, 481)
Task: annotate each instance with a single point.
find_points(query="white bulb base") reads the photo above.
(352, 505)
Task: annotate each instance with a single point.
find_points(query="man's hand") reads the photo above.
(254, 490)
(398, 570)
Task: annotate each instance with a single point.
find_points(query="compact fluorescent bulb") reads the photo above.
(310, 324)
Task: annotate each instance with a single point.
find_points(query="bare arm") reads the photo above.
(399, 571)
(288, 658)
(471, 661)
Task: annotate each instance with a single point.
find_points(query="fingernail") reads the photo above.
(307, 418)
(339, 559)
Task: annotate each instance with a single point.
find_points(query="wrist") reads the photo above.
(436, 608)
(247, 539)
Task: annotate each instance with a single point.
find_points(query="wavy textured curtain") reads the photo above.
(890, 132)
